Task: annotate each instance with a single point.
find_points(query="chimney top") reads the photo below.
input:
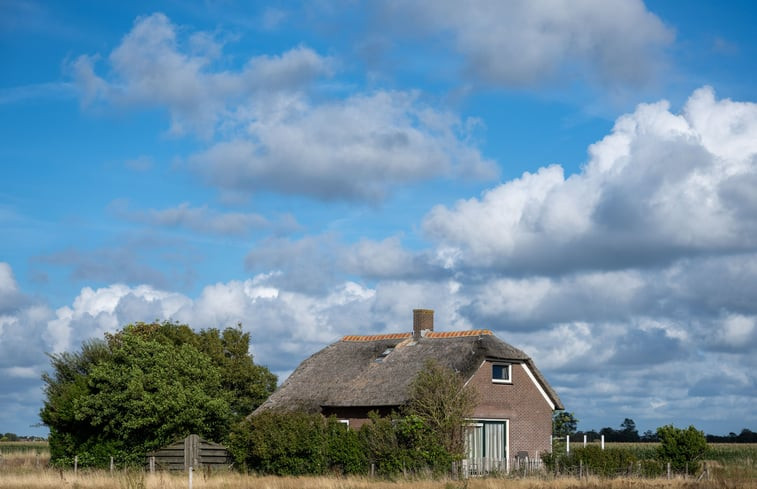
(423, 322)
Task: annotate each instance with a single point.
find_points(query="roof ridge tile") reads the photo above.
(430, 334)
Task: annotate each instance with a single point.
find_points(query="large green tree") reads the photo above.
(146, 386)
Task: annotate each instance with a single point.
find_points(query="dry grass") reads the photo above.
(51, 479)
(732, 467)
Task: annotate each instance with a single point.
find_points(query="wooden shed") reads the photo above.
(192, 451)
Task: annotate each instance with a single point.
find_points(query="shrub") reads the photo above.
(682, 448)
(281, 443)
(611, 462)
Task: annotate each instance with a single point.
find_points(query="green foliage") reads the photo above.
(682, 448)
(440, 403)
(344, 449)
(564, 424)
(610, 462)
(146, 386)
(281, 443)
(296, 443)
(404, 444)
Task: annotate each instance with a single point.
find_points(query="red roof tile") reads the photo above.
(374, 337)
(457, 334)
(431, 334)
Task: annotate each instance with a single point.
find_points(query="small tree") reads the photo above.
(682, 448)
(629, 431)
(564, 424)
(440, 398)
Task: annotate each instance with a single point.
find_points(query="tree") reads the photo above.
(649, 436)
(441, 401)
(564, 424)
(628, 432)
(145, 386)
(682, 448)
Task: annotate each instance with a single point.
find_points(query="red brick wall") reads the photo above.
(520, 402)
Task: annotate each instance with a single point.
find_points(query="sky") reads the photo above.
(579, 177)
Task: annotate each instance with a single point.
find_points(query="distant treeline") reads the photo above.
(15, 437)
(565, 423)
(612, 435)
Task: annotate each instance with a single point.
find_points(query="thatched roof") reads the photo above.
(360, 371)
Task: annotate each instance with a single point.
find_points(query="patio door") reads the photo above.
(486, 442)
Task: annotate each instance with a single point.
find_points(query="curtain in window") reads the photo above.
(496, 441)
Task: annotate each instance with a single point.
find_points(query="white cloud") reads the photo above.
(517, 43)
(8, 285)
(656, 189)
(155, 65)
(384, 259)
(267, 132)
(354, 149)
(199, 219)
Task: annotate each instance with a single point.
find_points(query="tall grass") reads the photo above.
(730, 466)
(50, 479)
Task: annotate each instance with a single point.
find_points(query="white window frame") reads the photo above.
(345, 422)
(509, 367)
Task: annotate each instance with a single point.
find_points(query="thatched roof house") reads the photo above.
(362, 373)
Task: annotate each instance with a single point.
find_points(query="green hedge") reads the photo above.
(295, 443)
(610, 462)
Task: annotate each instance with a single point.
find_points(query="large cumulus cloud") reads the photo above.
(660, 187)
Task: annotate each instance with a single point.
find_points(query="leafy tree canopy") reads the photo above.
(148, 385)
(564, 423)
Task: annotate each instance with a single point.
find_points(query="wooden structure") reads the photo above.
(193, 452)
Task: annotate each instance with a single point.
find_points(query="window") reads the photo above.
(501, 373)
(345, 422)
(384, 354)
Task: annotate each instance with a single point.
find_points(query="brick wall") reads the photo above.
(521, 403)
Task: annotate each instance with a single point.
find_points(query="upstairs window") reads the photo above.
(501, 373)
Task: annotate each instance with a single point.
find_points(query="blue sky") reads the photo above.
(579, 177)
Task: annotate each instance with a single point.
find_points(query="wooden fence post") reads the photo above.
(152, 465)
(603, 442)
(76, 464)
(190, 477)
(668, 470)
(111, 465)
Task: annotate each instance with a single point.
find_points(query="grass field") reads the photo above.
(25, 466)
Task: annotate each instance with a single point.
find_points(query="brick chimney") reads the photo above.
(423, 322)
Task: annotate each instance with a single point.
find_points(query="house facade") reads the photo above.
(364, 373)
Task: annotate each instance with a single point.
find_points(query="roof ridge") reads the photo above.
(430, 334)
(375, 337)
(458, 334)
